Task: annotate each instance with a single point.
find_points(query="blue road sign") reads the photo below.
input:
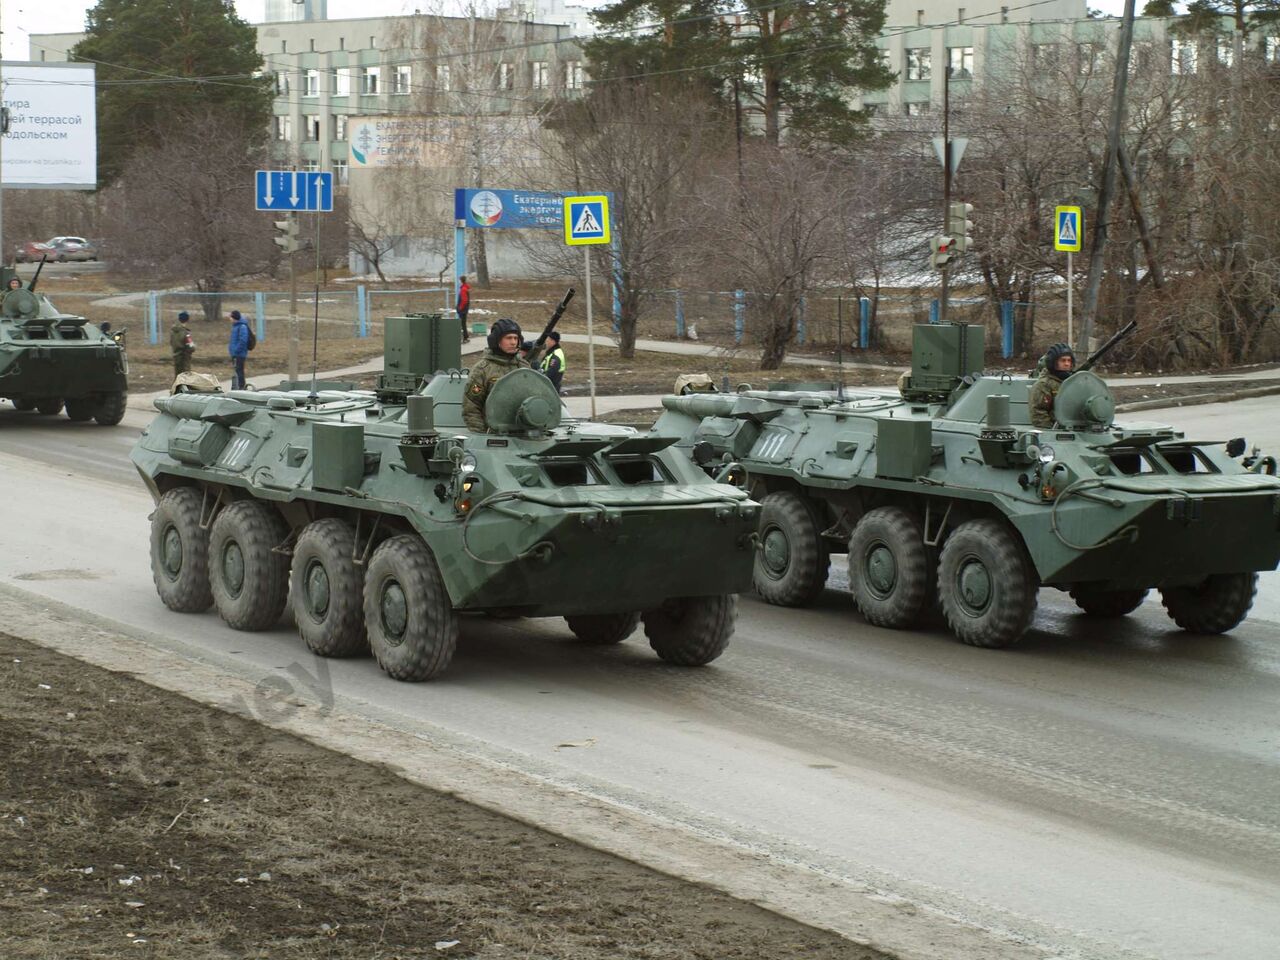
(297, 190)
(586, 220)
(1068, 231)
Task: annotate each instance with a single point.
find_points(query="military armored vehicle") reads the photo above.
(380, 518)
(50, 360)
(943, 492)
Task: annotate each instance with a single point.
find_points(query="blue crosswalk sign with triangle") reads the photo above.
(586, 220)
(1068, 228)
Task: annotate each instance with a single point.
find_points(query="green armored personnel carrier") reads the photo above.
(943, 491)
(381, 519)
(50, 360)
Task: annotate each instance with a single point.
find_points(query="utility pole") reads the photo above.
(943, 295)
(1109, 164)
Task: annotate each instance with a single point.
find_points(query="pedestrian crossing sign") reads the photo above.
(586, 220)
(1068, 229)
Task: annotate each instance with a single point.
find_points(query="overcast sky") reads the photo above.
(21, 17)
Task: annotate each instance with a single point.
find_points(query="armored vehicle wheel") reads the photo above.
(24, 405)
(1097, 602)
(889, 567)
(327, 590)
(249, 579)
(109, 410)
(691, 631)
(604, 627)
(986, 584)
(180, 552)
(792, 561)
(81, 409)
(1215, 606)
(413, 629)
(51, 407)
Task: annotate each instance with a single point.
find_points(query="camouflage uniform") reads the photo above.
(1041, 398)
(491, 368)
(180, 344)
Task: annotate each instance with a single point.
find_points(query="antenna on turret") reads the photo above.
(840, 348)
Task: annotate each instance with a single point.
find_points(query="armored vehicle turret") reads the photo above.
(380, 518)
(943, 491)
(50, 359)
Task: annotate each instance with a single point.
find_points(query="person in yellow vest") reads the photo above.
(553, 364)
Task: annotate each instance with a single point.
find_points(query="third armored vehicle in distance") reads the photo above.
(50, 360)
(944, 492)
(380, 518)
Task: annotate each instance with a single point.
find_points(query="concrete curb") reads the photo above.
(1197, 399)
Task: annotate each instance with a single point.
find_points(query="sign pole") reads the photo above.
(591, 341)
(1071, 277)
(293, 307)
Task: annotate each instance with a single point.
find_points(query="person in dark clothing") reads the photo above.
(553, 365)
(181, 344)
(464, 306)
(1059, 362)
(238, 348)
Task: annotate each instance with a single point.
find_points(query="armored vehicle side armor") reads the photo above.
(379, 517)
(944, 492)
(50, 359)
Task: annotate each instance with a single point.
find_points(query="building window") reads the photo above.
(1182, 57)
(283, 129)
(1044, 56)
(282, 84)
(506, 76)
(310, 127)
(340, 175)
(919, 63)
(311, 83)
(311, 166)
(960, 60)
(1088, 58)
(442, 76)
(342, 82)
(1226, 51)
(1271, 49)
(339, 126)
(573, 76)
(541, 75)
(916, 108)
(369, 80)
(400, 80)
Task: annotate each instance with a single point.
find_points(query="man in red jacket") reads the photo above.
(464, 304)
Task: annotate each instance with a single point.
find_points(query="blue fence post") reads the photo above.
(679, 315)
(153, 317)
(933, 311)
(362, 312)
(864, 322)
(459, 258)
(1006, 328)
(739, 315)
(260, 311)
(800, 320)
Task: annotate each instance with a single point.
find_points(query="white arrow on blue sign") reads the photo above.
(294, 190)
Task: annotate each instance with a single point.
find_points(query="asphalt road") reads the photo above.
(1103, 790)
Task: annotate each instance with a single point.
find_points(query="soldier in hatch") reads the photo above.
(1059, 362)
(502, 358)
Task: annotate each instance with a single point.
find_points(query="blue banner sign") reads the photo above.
(509, 209)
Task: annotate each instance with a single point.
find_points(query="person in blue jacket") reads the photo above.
(238, 348)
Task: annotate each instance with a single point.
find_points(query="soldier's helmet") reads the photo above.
(500, 329)
(1056, 353)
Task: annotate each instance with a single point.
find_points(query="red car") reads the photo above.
(32, 251)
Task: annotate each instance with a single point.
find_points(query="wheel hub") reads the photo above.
(776, 552)
(881, 570)
(975, 585)
(317, 585)
(171, 553)
(233, 568)
(395, 613)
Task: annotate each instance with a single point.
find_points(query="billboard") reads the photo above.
(423, 141)
(52, 141)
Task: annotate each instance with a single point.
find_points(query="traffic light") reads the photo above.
(942, 249)
(960, 226)
(288, 239)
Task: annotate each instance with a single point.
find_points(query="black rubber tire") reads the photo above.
(81, 409)
(403, 573)
(604, 628)
(110, 407)
(1215, 606)
(791, 562)
(986, 556)
(326, 590)
(180, 552)
(888, 541)
(25, 406)
(1097, 602)
(250, 580)
(691, 631)
(51, 407)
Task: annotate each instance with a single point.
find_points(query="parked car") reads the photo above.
(32, 251)
(71, 248)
